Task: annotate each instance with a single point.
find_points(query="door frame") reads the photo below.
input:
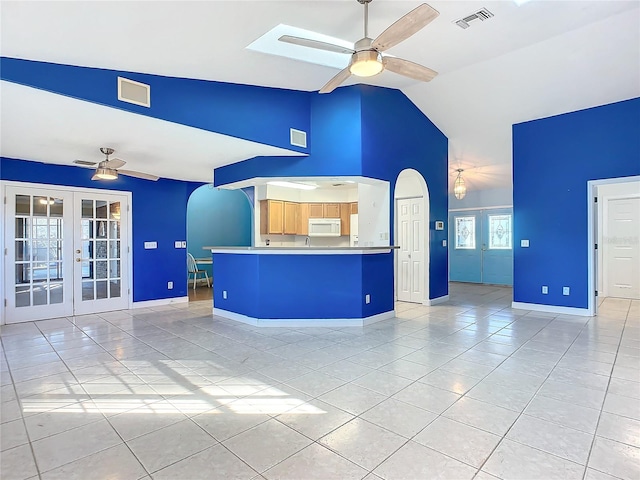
(398, 194)
(593, 254)
(65, 188)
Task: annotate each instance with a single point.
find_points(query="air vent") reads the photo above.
(298, 138)
(84, 162)
(134, 92)
(481, 15)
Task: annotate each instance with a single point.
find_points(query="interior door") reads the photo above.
(411, 255)
(100, 253)
(621, 249)
(39, 246)
(66, 253)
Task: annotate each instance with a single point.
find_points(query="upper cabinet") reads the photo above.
(331, 210)
(290, 218)
(315, 210)
(272, 216)
(303, 219)
(345, 218)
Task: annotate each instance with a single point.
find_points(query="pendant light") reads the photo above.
(459, 187)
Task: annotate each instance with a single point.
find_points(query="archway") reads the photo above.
(216, 217)
(411, 234)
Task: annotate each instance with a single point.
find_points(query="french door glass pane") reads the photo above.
(38, 249)
(499, 232)
(465, 233)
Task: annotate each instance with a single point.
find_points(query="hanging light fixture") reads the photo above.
(459, 187)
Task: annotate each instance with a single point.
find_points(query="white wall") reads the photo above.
(373, 215)
(496, 197)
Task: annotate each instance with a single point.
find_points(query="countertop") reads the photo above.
(303, 250)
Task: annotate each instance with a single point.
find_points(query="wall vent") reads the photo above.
(298, 138)
(481, 15)
(134, 92)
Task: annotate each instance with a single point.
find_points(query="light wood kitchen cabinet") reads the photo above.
(271, 216)
(331, 210)
(290, 218)
(303, 219)
(354, 207)
(315, 210)
(345, 218)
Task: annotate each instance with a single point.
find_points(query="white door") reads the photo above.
(621, 248)
(410, 277)
(66, 253)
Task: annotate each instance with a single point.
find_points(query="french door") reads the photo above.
(66, 252)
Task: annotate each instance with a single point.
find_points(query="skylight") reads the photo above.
(268, 43)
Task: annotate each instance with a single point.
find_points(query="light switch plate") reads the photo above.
(150, 245)
(184, 244)
(177, 243)
(524, 243)
(566, 290)
(444, 243)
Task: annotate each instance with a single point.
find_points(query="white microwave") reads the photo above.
(324, 227)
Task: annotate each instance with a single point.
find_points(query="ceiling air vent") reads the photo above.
(134, 92)
(481, 15)
(298, 138)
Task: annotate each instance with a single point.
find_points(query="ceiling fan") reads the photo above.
(366, 58)
(108, 169)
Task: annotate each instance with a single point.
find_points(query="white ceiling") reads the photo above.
(539, 59)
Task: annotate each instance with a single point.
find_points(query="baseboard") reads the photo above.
(436, 301)
(538, 307)
(160, 302)
(301, 322)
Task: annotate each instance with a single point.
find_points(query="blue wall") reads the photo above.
(159, 214)
(259, 114)
(217, 218)
(553, 158)
(396, 135)
(287, 286)
(374, 132)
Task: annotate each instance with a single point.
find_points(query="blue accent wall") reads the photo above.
(259, 114)
(159, 214)
(303, 286)
(553, 159)
(217, 218)
(373, 132)
(395, 136)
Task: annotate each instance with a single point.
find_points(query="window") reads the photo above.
(499, 232)
(465, 233)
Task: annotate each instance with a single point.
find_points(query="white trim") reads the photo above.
(479, 208)
(538, 307)
(301, 322)
(301, 250)
(159, 303)
(436, 301)
(591, 237)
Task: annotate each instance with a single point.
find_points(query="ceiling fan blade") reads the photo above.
(307, 42)
(336, 81)
(408, 69)
(406, 26)
(145, 176)
(113, 163)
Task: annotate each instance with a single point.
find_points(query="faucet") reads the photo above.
(307, 242)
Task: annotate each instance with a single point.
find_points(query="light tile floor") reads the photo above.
(471, 388)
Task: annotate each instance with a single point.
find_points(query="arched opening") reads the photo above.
(215, 217)
(411, 234)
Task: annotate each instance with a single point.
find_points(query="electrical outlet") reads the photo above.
(545, 289)
(367, 298)
(224, 294)
(565, 290)
(170, 285)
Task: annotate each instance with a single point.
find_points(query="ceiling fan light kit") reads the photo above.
(366, 57)
(103, 173)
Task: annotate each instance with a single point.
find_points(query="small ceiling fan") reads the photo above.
(366, 58)
(108, 169)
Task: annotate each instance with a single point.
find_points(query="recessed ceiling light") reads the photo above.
(520, 2)
(301, 186)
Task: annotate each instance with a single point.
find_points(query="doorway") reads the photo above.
(412, 237)
(482, 249)
(66, 252)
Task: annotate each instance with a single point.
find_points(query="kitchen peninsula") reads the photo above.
(303, 286)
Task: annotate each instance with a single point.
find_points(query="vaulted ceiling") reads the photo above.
(530, 61)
